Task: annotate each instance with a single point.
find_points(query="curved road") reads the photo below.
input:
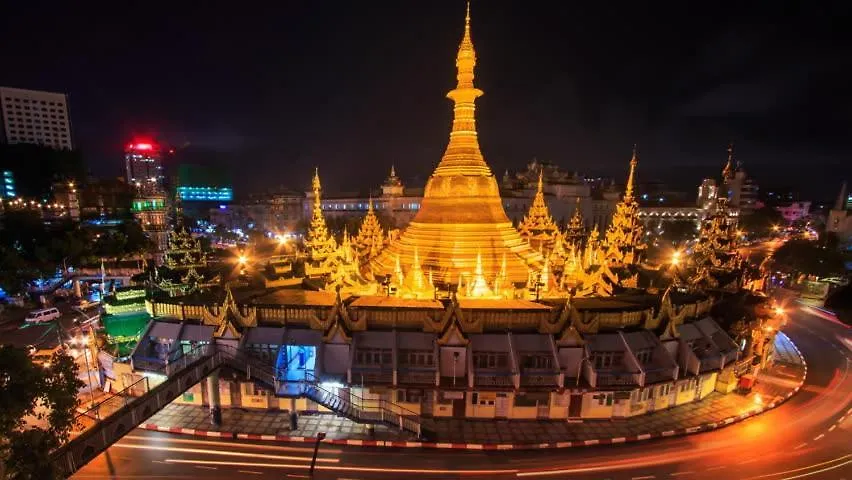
(803, 438)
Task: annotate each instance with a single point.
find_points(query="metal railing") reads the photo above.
(363, 410)
(351, 406)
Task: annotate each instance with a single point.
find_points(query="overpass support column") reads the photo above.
(213, 398)
(77, 292)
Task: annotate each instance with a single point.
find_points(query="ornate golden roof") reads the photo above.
(538, 226)
(461, 215)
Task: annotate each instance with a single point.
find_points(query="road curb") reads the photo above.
(706, 427)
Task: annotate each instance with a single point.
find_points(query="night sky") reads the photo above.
(352, 87)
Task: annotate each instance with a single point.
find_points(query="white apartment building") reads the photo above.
(32, 116)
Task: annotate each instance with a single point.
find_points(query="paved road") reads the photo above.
(800, 439)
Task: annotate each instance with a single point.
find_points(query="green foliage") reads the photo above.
(761, 222)
(679, 232)
(29, 248)
(809, 258)
(47, 394)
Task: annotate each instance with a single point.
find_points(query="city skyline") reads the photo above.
(576, 87)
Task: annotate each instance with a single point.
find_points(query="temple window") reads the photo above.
(644, 355)
(537, 360)
(416, 358)
(607, 359)
(373, 356)
(490, 359)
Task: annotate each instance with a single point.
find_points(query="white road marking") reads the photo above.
(206, 468)
(717, 467)
(800, 446)
(646, 477)
(251, 472)
(681, 473)
(819, 436)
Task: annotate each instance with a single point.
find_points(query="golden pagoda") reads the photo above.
(318, 243)
(538, 226)
(575, 233)
(461, 216)
(371, 237)
(624, 236)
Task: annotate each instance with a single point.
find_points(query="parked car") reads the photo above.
(42, 316)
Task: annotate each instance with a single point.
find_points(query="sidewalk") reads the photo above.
(774, 385)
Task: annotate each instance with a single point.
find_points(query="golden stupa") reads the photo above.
(461, 218)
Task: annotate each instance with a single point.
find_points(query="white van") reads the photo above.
(39, 316)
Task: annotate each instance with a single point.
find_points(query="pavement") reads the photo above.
(774, 386)
(806, 437)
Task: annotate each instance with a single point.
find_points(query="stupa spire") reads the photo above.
(628, 190)
(463, 155)
(461, 211)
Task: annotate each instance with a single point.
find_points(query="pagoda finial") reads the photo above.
(316, 181)
(728, 171)
(628, 191)
(370, 204)
(393, 171)
(541, 181)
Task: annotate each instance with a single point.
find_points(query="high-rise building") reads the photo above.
(707, 193)
(144, 164)
(33, 116)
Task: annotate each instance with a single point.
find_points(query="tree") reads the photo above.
(806, 257)
(45, 393)
(679, 231)
(760, 223)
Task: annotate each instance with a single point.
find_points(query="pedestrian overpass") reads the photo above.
(109, 420)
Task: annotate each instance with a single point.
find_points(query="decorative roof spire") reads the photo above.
(393, 171)
(540, 181)
(628, 191)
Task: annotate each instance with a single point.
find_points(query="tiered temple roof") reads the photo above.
(318, 242)
(538, 226)
(624, 240)
(371, 237)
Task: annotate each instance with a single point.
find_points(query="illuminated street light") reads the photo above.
(676, 258)
(242, 260)
(779, 311)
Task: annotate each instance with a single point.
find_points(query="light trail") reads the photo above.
(847, 458)
(335, 468)
(255, 446)
(226, 453)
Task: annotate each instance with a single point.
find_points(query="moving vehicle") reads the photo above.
(42, 316)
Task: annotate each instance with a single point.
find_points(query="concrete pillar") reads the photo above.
(77, 292)
(213, 398)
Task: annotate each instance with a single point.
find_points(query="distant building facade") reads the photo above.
(275, 211)
(794, 211)
(36, 117)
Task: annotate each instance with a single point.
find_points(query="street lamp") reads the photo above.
(676, 258)
(83, 342)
